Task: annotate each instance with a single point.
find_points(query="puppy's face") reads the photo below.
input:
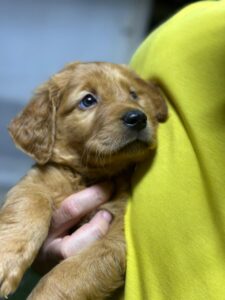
(94, 113)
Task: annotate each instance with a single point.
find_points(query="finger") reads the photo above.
(83, 237)
(79, 204)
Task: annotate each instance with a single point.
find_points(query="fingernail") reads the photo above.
(107, 216)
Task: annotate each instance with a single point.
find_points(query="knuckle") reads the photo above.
(99, 232)
(99, 194)
(64, 253)
(70, 210)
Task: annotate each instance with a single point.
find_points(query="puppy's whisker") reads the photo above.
(100, 158)
(84, 157)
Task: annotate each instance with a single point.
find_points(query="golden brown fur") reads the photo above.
(73, 148)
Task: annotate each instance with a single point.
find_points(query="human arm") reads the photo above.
(181, 192)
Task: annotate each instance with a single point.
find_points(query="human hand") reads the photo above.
(60, 244)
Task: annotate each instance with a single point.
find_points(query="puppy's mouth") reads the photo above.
(130, 144)
(133, 145)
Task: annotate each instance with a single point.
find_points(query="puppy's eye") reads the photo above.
(88, 101)
(133, 95)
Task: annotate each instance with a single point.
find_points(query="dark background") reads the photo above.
(163, 9)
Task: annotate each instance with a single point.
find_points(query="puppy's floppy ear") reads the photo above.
(158, 102)
(33, 130)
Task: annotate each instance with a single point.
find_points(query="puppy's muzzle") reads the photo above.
(135, 119)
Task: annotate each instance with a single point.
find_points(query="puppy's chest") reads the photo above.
(74, 183)
(62, 182)
(66, 188)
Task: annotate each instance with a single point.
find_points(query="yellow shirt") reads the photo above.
(175, 222)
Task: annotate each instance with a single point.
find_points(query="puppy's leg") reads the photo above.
(92, 274)
(24, 224)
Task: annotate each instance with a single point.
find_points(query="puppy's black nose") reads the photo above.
(135, 119)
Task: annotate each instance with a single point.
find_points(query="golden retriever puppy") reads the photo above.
(88, 122)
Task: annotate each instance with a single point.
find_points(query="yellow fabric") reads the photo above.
(175, 222)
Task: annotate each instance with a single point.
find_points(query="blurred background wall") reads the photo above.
(38, 37)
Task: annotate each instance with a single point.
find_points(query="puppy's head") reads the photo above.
(93, 114)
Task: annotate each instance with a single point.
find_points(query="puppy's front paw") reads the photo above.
(61, 283)
(13, 263)
(10, 274)
(48, 288)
